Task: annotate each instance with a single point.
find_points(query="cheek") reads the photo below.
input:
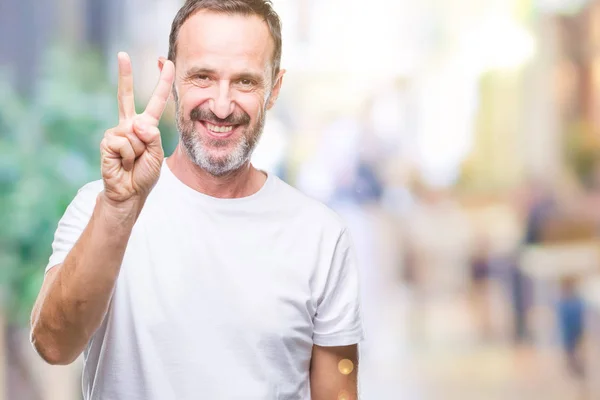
(192, 97)
(252, 104)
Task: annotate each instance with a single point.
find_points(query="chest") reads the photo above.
(221, 277)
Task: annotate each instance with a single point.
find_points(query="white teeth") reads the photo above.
(219, 129)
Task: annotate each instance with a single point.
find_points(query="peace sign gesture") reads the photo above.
(131, 152)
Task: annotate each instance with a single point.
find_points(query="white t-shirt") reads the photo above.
(219, 298)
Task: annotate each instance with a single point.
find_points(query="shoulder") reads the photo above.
(309, 209)
(92, 188)
(85, 199)
(90, 191)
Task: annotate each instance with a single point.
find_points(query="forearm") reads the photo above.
(334, 386)
(334, 373)
(73, 304)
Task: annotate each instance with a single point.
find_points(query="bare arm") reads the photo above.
(75, 295)
(334, 373)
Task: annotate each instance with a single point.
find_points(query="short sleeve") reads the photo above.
(73, 222)
(338, 319)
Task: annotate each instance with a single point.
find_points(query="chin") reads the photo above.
(220, 162)
(219, 169)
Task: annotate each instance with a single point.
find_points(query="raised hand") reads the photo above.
(132, 152)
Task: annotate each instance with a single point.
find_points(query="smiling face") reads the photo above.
(224, 87)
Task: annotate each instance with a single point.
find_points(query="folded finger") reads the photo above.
(120, 146)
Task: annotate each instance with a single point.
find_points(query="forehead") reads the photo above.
(225, 42)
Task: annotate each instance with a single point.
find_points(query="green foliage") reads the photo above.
(49, 148)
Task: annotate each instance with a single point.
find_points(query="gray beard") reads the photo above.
(197, 147)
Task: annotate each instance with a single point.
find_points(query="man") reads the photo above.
(199, 276)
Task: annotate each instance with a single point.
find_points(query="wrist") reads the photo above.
(126, 211)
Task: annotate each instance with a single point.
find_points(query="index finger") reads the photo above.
(159, 98)
(125, 90)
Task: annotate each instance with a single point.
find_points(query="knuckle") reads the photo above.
(153, 131)
(109, 132)
(123, 128)
(108, 142)
(113, 142)
(131, 138)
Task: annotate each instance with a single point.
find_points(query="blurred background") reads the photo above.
(460, 141)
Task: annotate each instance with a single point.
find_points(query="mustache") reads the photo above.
(238, 118)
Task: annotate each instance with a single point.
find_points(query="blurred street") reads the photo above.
(444, 346)
(459, 141)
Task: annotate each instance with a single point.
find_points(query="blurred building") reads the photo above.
(40, 24)
(487, 94)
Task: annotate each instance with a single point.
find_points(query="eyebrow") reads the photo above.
(200, 71)
(236, 76)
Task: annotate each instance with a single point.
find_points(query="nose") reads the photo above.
(222, 104)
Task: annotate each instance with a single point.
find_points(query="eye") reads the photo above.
(200, 80)
(246, 82)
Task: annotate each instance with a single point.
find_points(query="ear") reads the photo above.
(161, 63)
(275, 91)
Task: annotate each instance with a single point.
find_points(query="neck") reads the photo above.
(242, 182)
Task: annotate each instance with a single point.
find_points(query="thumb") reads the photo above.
(150, 135)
